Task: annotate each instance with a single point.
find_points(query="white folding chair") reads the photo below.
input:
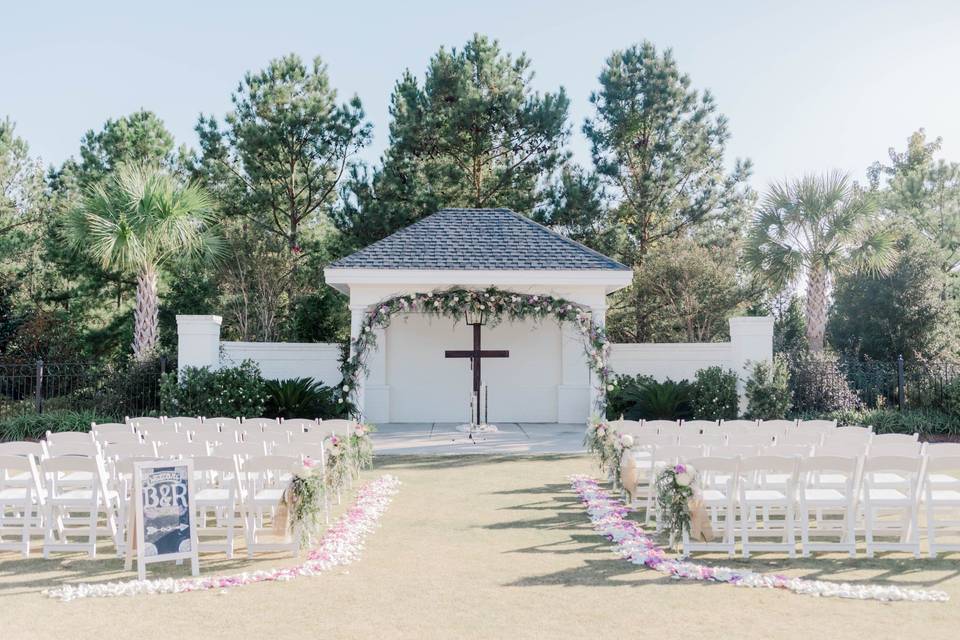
(787, 450)
(704, 426)
(109, 427)
(338, 426)
(22, 449)
(184, 423)
(147, 422)
(631, 427)
(880, 502)
(183, 449)
(71, 439)
(663, 426)
(942, 498)
(767, 486)
(268, 440)
(779, 426)
(818, 426)
(696, 439)
(261, 423)
(830, 506)
(65, 500)
(718, 492)
(22, 501)
(734, 451)
(800, 437)
(894, 438)
(300, 424)
(216, 502)
(749, 425)
(264, 479)
(755, 439)
(116, 437)
(241, 450)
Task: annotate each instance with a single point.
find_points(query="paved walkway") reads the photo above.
(444, 439)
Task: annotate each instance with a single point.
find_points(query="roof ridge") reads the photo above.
(456, 238)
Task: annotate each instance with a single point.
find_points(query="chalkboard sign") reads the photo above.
(163, 527)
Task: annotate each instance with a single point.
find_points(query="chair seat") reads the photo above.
(713, 496)
(887, 495)
(13, 494)
(823, 495)
(763, 495)
(776, 478)
(888, 478)
(943, 478)
(212, 495)
(945, 495)
(268, 495)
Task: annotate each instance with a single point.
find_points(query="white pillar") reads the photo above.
(598, 314)
(357, 313)
(198, 341)
(751, 340)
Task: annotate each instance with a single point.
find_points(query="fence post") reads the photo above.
(163, 364)
(900, 391)
(38, 389)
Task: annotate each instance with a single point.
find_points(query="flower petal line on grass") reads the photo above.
(340, 545)
(608, 517)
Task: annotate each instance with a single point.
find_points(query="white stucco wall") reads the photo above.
(279, 360)
(545, 379)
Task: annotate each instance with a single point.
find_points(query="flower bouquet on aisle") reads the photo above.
(361, 446)
(600, 440)
(675, 489)
(338, 462)
(301, 504)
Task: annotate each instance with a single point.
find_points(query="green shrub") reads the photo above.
(951, 398)
(713, 394)
(238, 391)
(768, 390)
(663, 400)
(623, 396)
(125, 389)
(820, 384)
(33, 426)
(926, 422)
(301, 398)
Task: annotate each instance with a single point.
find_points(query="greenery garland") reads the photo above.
(338, 462)
(361, 447)
(608, 444)
(496, 304)
(674, 486)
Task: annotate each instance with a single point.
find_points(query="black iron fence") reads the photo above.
(110, 390)
(920, 384)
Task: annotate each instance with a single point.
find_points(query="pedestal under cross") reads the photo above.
(476, 356)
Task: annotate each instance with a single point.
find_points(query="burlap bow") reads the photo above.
(701, 530)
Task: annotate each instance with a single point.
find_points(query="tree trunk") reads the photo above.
(146, 330)
(816, 307)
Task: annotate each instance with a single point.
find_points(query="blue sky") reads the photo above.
(807, 86)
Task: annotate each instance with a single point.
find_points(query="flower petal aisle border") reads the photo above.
(340, 545)
(608, 516)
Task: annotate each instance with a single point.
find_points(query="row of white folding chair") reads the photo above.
(771, 427)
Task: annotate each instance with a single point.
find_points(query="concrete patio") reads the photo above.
(443, 439)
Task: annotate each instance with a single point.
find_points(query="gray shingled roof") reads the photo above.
(476, 239)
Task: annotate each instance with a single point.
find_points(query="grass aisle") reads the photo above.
(480, 547)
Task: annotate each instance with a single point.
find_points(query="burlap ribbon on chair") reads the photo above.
(628, 474)
(701, 530)
(281, 519)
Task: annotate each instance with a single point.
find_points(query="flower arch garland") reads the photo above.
(498, 304)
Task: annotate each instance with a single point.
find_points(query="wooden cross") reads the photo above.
(476, 355)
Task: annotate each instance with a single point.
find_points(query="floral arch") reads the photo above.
(497, 304)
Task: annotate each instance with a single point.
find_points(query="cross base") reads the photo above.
(477, 428)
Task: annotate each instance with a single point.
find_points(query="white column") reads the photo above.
(198, 341)
(357, 313)
(751, 340)
(599, 315)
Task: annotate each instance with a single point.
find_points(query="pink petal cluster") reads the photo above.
(341, 544)
(608, 516)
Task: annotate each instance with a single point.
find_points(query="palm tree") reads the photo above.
(811, 229)
(136, 220)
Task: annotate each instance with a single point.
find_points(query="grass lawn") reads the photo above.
(480, 547)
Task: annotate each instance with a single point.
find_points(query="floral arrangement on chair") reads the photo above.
(608, 445)
(361, 446)
(338, 462)
(675, 488)
(301, 507)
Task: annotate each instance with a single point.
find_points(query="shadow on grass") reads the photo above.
(569, 515)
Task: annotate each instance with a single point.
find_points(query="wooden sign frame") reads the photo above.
(136, 542)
